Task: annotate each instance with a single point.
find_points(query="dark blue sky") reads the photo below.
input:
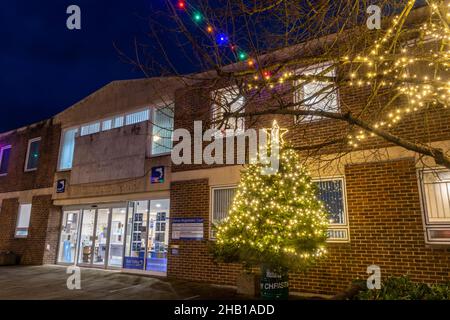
(45, 67)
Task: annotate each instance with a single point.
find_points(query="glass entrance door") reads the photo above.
(69, 236)
(101, 237)
(117, 237)
(86, 237)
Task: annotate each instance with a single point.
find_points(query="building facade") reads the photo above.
(95, 186)
(29, 221)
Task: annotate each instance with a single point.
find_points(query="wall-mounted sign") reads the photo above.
(187, 229)
(61, 186)
(157, 175)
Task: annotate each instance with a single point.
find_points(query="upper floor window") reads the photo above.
(23, 221)
(90, 129)
(32, 159)
(67, 148)
(228, 100)
(5, 153)
(331, 192)
(315, 94)
(435, 186)
(137, 117)
(162, 130)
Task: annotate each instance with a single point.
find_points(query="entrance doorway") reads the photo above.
(133, 236)
(93, 237)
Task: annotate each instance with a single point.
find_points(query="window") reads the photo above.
(332, 194)
(5, 153)
(222, 199)
(23, 221)
(137, 117)
(107, 125)
(90, 129)
(32, 159)
(67, 149)
(435, 187)
(315, 95)
(229, 100)
(118, 122)
(162, 130)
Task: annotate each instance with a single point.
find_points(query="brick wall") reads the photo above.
(385, 228)
(44, 230)
(425, 126)
(17, 179)
(190, 199)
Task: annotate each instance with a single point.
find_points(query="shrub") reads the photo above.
(402, 288)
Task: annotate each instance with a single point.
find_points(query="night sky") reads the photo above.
(45, 67)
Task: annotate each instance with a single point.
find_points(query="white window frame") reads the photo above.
(211, 209)
(224, 133)
(61, 140)
(2, 149)
(298, 94)
(22, 228)
(338, 227)
(151, 119)
(430, 226)
(28, 154)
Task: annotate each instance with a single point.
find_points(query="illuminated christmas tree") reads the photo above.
(276, 220)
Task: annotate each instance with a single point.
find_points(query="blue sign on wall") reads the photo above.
(157, 175)
(61, 186)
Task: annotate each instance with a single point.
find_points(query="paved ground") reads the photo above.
(49, 282)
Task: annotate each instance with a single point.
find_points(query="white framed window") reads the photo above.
(331, 191)
(90, 129)
(107, 125)
(23, 221)
(137, 117)
(32, 158)
(67, 148)
(315, 95)
(162, 129)
(221, 201)
(435, 194)
(118, 122)
(228, 100)
(5, 154)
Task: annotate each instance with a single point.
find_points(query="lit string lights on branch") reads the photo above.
(221, 38)
(416, 69)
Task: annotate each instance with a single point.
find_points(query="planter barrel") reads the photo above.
(274, 286)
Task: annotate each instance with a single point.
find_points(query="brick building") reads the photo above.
(29, 221)
(104, 192)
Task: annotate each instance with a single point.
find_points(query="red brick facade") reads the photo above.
(386, 229)
(40, 245)
(17, 179)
